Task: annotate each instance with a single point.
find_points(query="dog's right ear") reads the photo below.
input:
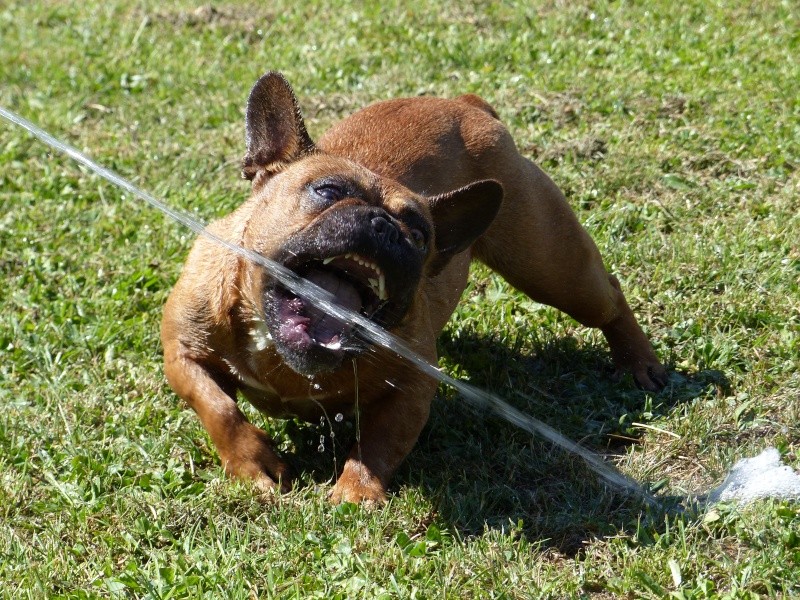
(275, 132)
(460, 217)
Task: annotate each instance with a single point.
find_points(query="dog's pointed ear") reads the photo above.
(275, 132)
(460, 217)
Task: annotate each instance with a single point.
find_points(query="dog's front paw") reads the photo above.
(650, 376)
(249, 455)
(357, 485)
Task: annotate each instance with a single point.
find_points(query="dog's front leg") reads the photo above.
(245, 450)
(389, 428)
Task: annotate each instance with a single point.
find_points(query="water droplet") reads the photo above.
(316, 386)
(321, 448)
(322, 440)
(339, 417)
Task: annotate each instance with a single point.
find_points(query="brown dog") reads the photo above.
(385, 213)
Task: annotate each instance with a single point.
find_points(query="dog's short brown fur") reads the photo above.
(414, 189)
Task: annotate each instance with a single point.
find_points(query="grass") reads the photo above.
(673, 129)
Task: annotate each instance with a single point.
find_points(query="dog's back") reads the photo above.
(432, 145)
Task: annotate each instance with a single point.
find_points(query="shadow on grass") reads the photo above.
(482, 472)
(485, 472)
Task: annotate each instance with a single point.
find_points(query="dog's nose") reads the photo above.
(385, 230)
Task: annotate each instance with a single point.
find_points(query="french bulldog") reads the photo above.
(385, 213)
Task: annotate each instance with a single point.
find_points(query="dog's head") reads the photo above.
(365, 239)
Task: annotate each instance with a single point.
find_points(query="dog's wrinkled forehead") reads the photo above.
(317, 181)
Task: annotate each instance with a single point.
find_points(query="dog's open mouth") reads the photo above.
(356, 283)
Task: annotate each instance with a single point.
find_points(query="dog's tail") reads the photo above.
(478, 102)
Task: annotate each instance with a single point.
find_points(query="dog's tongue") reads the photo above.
(324, 328)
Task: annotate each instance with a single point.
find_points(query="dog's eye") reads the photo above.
(418, 239)
(329, 192)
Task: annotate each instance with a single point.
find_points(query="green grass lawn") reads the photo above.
(673, 128)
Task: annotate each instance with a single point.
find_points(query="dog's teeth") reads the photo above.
(373, 283)
(382, 288)
(328, 260)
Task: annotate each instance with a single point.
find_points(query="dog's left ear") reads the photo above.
(460, 217)
(275, 132)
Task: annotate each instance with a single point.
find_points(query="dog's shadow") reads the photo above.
(483, 472)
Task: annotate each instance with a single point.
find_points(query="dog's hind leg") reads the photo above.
(537, 244)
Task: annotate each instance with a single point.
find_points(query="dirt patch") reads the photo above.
(718, 164)
(673, 107)
(212, 17)
(585, 148)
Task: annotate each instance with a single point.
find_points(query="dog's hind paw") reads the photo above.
(650, 377)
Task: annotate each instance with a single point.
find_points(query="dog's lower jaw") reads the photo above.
(311, 342)
(291, 332)
(313, 360)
